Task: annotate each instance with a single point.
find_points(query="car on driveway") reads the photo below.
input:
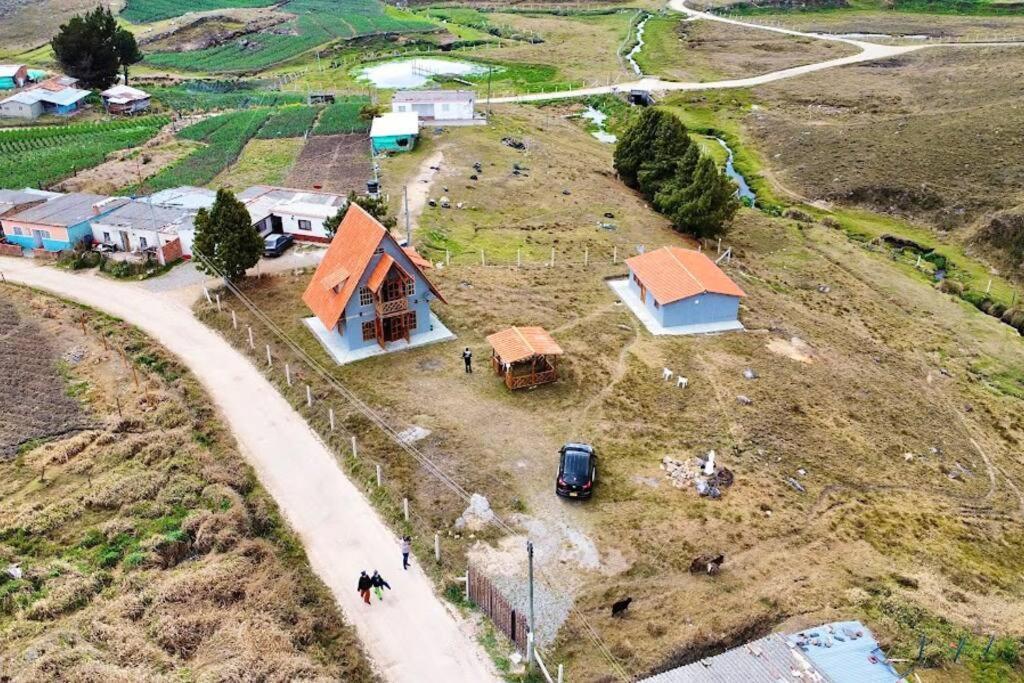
(275, 245)
(577, 471)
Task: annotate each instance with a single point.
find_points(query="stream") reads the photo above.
(744, 191)
(639, 45)
(598, 117)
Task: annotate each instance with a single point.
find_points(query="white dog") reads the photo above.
(666, 374)
(681, 382)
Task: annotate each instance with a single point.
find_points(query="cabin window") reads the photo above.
(369, 330)
(17, 231)
(143, 243)
(402, 142)
(106, 237)
(365, 296)
(410, 288)
(305, 225)
(410, 320)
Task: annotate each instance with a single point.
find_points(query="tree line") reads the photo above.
(657, 157)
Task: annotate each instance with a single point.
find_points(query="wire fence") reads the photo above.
(314, 391)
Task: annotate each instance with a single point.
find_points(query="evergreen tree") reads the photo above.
(226, 241)
(669, 147)
(128, 51)
(667, 195)
(635, 145)
(707, 206)
(375, 206)
(86, 48)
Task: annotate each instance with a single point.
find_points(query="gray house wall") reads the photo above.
(694, 310)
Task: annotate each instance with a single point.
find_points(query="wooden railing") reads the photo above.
(531, 379)
(392, 307)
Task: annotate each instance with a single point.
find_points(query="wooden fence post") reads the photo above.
(437, 546)
(330, 416)
(405, 508)
(378, 476)
(270, 361)
(252, 344)
(218, 303)
(355, 448)
(309, 396)
(234, 320)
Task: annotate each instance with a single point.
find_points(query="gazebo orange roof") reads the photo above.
(522, 343)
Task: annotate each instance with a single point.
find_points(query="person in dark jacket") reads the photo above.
(467, 357)
(378, 583)
(365, 584)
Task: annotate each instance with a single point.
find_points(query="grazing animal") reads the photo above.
(619, 608)
(666, 374)
(681, 382)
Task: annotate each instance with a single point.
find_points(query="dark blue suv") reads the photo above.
(577, 471)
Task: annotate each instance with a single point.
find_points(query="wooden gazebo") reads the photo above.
(524, 356)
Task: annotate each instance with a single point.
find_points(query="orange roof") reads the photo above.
(521, 343)
(672, 273)
(380, 272)
(415, 257)
(337, 277)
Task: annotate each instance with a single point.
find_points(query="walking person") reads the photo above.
(467, 357)
(406, 549)
(365, 584)
(378, 583)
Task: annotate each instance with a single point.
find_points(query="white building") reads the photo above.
(139, 227)
(123, 99)
(451, 107)
(299, 213)
(57, 96)
(187, 198)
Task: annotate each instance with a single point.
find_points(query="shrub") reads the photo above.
(950, 286)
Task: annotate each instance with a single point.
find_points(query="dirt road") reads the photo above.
(411, 636)
(869, 52)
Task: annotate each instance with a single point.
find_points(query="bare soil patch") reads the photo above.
(333, 163)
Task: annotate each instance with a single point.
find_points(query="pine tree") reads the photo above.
(707, 206)
(668, 149)
(667, 196)
(86, 48)
(128, 51)
(635, 145)
(226, 242)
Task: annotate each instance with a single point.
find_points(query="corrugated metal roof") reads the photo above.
(10, 70)
(185, 197)
(428, 96)
(521, 343)
(845, 652)
(146, 216)
(672, 273)
(125, 92)
(395, 123)
(11, 199)
(68, 209)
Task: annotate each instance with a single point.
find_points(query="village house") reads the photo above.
(369, 295)
(450, 107)
(60, 223)
(123, 99)
(300, 213)
(13, 201)
(13, 76)
(187, 198)
(57, 96)
(142, 228)
(680, 291)
(394, 132)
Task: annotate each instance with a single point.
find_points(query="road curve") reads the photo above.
(868, 52)
(411, 636)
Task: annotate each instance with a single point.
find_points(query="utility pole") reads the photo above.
(531, 642)
(408, 228)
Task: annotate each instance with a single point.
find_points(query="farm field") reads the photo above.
(289, 122)
(148, 550)
(703, 51)
(225, 136)
(40, 156)
(317, 22)
(333, 163)
(262, 162)
(147, 11)
(342, 117)
(851, 380)
(204, 96)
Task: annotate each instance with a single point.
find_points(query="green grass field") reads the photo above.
(40, 156)
(145, 11)
(206, 96)
(342, 117)
(317, 23)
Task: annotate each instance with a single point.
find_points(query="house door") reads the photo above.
(276, 227)
(643, 294)
(125, 244)
(394, 328)
(37, 236)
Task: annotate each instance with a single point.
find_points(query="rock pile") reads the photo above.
(702, 473)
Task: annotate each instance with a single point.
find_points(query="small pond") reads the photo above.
(413, 73)
(598, 117)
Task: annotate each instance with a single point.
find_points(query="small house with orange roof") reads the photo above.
(369, 295)
(680, 291)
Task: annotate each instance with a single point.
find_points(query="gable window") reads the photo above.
(369, 330)
(17, 230)
(365, 296)
(410, 287)
(305, 225)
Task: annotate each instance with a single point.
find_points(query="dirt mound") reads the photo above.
(1004, 233)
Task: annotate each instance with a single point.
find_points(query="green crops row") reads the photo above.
(225, 136)
(142, 11)
(317, 22)
(342, 117)
(289, 122)
(185, 99)
(48, 165)
(38, 136)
